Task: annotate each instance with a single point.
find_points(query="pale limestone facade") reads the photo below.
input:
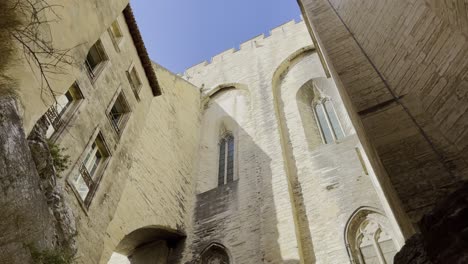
(292, 195)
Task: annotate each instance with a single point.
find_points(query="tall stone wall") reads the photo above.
(402, 66)
(292, 195)
(229, 214)
(26, 219)
(330, 181)
(68, 32)
(160, 189)
(91, 118)
(252, 66)
(153, 155)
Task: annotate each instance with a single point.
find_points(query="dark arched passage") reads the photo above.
(150, 244)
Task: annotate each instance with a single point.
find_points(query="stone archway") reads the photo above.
(151, 245)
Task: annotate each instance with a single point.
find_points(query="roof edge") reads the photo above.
(141, 50)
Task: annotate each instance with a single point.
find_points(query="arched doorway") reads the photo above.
(149, 245)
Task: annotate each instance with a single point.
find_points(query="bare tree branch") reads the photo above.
(38, 50)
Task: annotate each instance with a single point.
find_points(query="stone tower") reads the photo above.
(282, 176)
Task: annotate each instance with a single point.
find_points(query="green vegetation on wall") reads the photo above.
(61, 161)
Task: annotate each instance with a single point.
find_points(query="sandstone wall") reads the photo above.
(153, 157)
(27, 224)
(82, 25)
(229, 214)
(75, 26)
(402, 66)
(160, 188)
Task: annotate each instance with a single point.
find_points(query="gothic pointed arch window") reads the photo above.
(215, 254)
(369, 239)
(327, 120)
(226, 159)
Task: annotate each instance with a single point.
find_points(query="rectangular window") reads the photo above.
(119, 113)
(116, 35)
(135, 81)
(90, 170)
(63, 109)
(95, 59)
(116, 32)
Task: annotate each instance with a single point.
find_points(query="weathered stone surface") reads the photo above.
(293, 195)
(156, 252)
(402, 66)
(445, 229)
(65, 226)
(25, 216)
(414, 252)
(160, 187)
(444, 233)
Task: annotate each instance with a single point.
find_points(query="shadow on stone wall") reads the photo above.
(444, 234)
(297, 199)
(153, 243)
(241, 215)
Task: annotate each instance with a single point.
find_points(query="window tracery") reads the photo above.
(327, 120)
(369, 239)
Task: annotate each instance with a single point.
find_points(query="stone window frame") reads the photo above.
(116, 40)
(320, 102)
(94, 73)
(225, 177)
(96, 178)
(136, 88)
(59, 120)
(353, 234)
(121, 98)
(215, 246)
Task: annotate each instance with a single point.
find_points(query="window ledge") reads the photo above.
(136, 92)
(78, 197)
(67, 118)
(123, 124)
(97, 71)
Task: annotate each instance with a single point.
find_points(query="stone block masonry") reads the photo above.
(26, 220)
(292, 195)
(402, 66)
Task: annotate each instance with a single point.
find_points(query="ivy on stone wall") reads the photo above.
(51, 257)
(60, 160)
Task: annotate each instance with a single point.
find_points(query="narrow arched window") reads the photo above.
(329, 124)
(226, 160)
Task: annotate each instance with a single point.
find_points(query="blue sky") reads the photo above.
(182, 33)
